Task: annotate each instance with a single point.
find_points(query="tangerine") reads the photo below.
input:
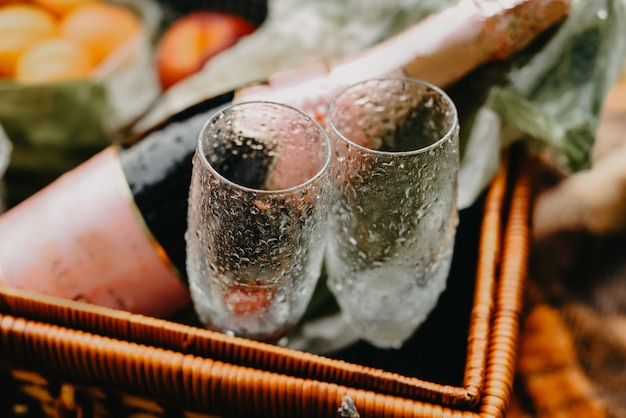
(100, 27)
(61, 7)
(21, 26)
(54, 59)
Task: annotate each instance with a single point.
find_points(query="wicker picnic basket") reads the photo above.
(64, 358)
(61, 358)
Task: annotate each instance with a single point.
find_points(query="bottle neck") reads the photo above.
(158, 168)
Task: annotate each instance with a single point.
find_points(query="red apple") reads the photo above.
(193, 39)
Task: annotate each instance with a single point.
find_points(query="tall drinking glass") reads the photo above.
(258, 206)
(393, 213)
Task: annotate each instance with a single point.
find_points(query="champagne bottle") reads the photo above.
(111, 231)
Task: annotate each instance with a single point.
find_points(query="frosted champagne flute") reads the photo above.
(393, 212)
(258, 206)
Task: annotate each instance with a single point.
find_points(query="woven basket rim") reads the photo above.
(112, 335)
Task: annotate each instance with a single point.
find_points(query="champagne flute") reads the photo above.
(258, 206)
(393, 213)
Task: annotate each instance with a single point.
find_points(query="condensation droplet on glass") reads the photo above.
(380, 171)
(361, 102)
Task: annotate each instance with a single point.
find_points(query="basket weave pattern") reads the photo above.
(83, 357)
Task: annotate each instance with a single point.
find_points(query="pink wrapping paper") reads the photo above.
(95, 249)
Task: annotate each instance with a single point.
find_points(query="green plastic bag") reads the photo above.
(556, 97)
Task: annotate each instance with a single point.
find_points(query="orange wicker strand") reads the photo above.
(501, 365)
(480, 317)
(206, 343)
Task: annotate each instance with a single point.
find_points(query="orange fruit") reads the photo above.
(21, 26)
(100, 27)
(54, 59)
(60, 7)
(195, 38)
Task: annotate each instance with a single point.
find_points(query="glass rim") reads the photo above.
(325, 165)
(447, 135)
